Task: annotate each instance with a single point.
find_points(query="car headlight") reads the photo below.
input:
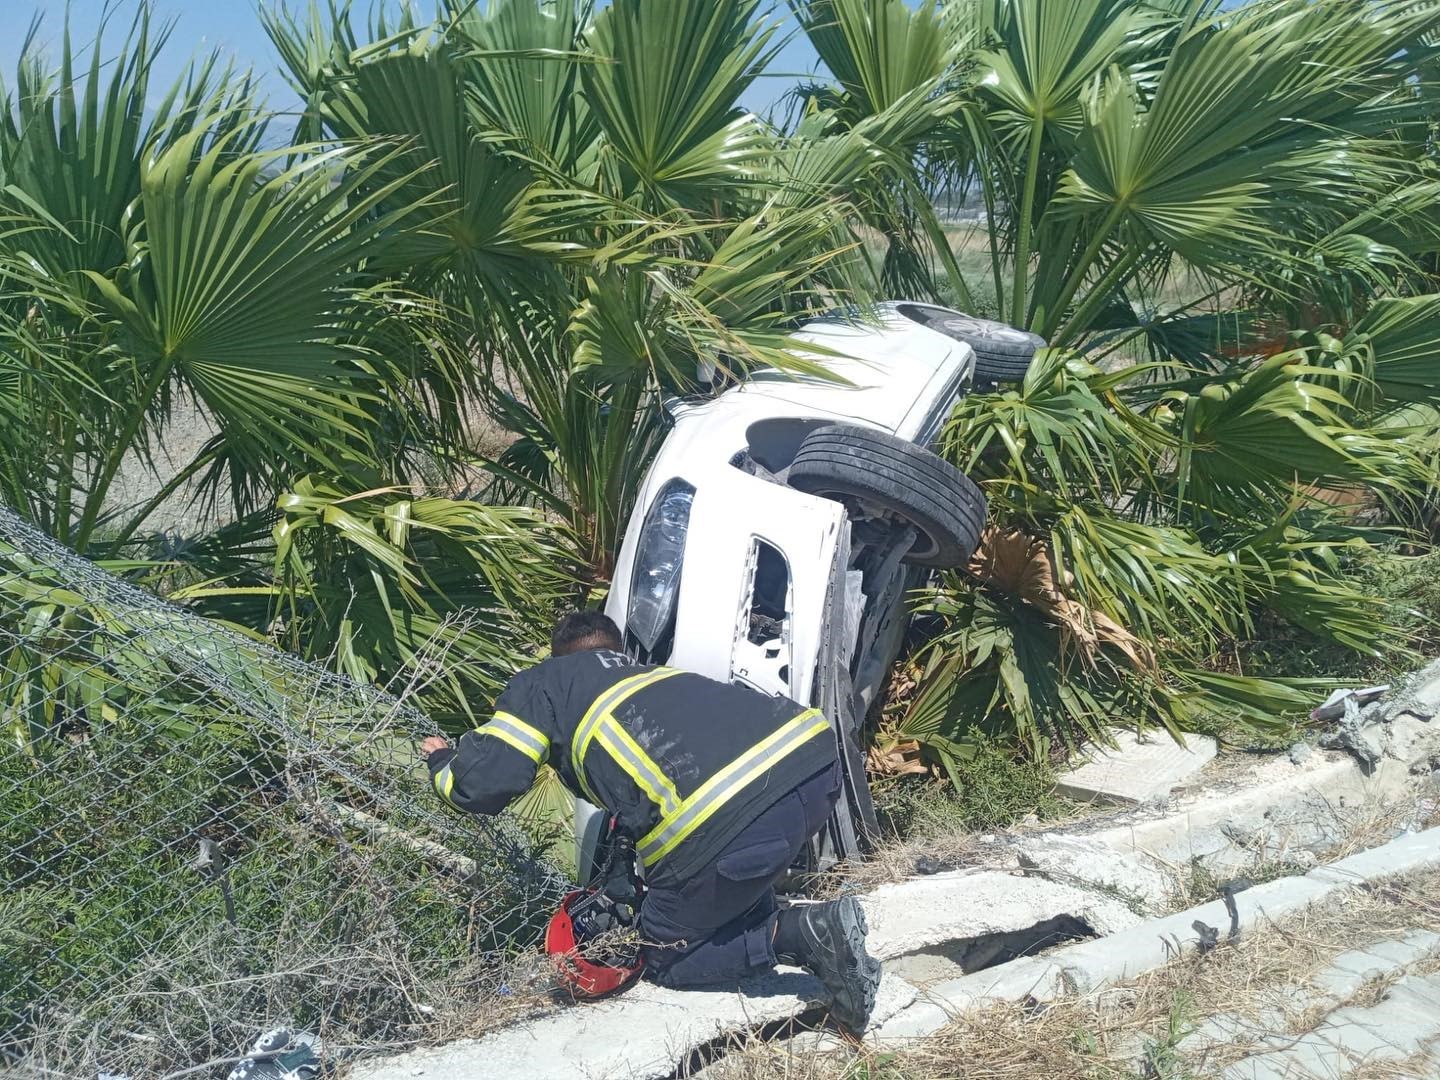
(655, 584)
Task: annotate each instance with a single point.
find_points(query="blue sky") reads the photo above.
(232, 26)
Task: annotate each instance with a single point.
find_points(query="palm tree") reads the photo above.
(157, 257)
(512, 209)
(1170, 187)
(613, 224)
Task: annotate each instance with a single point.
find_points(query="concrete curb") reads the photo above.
(1121, 957)
(642, 1035)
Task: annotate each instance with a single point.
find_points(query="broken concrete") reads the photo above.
(1111, 961)
(1276, 809)
(645, 1034)
(1090, 863)
(913, 916)
(1139, 769)
(948, 927)
(950, 961)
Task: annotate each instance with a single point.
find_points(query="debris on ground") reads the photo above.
(1337, 704)
(281, 1054)
(926, 865)
(1357, 733)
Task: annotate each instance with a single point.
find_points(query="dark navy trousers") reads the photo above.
(719, 926)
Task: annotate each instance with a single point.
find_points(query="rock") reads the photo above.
(928, 864)
(1366, 742)
(1300, 753)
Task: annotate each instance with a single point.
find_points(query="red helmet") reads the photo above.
(586, 977)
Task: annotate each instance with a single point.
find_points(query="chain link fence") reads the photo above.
(201, 836)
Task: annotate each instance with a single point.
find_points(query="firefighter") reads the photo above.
(719, 787)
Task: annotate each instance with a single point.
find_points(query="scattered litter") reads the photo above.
(1336, 705)
(281, 1054)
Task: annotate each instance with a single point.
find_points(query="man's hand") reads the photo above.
(433, 743)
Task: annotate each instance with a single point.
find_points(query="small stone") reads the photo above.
(928, 864)
(988, 838)
(1030, 819)
(1300, 753)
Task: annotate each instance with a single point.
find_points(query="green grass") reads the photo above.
(993, 790)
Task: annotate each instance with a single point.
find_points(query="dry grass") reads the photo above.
(1139, 1031)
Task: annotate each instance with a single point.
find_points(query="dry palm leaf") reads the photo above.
(1014, 562)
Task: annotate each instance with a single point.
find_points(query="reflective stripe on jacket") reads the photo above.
(684, 762)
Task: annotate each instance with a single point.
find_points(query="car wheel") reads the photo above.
(1002, 353)
(882, 473)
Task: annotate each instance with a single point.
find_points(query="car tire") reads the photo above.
(1002, 353)
(882, 471)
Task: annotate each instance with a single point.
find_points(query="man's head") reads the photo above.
(581, 631)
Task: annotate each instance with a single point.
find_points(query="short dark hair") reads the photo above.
(582, 630)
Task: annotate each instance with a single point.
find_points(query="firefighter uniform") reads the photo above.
(718, 785)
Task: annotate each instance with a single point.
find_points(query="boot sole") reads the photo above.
(853, 992)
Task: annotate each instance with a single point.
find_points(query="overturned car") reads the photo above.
(783, 523)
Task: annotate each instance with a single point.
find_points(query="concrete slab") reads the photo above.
(1091, 863)
(1403, 1024)
(1092, 965)
(912, 916)
(1138, 769)
(1349, 971)
(1278, 808)
(642, 1035)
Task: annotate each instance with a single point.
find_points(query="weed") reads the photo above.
(1201, 884)
(1162, 1059)
(993, 790)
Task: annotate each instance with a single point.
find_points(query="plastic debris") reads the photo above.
(1334, 706)
(281, 1054)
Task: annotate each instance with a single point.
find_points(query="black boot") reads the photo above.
(829, 941)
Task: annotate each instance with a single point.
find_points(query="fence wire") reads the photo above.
(201, 836)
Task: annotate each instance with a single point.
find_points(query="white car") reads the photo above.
(783, 523)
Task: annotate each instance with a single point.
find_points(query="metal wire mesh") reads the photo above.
(201, 835)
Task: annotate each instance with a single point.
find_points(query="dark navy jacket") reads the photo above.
(685, 763)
